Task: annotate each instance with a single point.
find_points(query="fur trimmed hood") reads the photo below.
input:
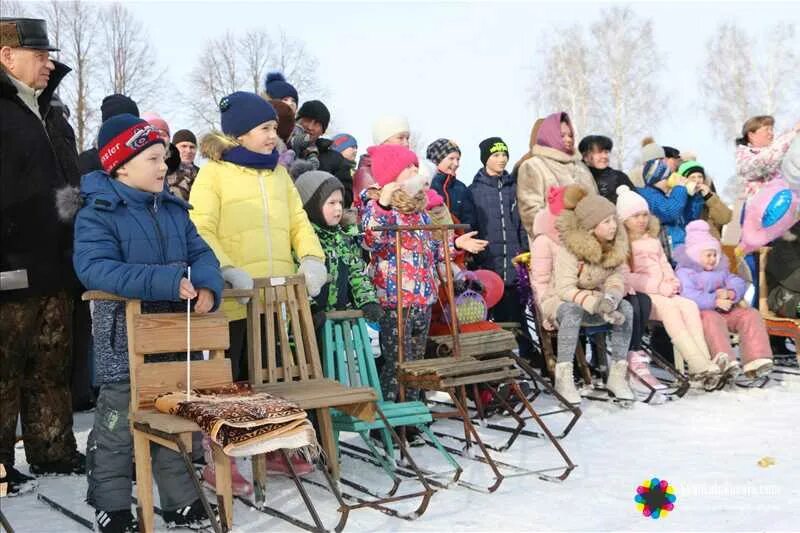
(586, 247)
(214, 144)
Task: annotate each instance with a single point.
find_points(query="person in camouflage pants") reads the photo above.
(34, 378)
(416, 323)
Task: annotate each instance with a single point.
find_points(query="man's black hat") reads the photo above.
(25, 33)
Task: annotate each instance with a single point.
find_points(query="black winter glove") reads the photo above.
(372, 312)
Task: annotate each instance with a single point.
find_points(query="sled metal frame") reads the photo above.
(454, 386)
(290, 367)
(349, 359)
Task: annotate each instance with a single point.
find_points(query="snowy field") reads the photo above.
(708, 446)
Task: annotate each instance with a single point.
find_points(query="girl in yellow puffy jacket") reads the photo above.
(249, 211)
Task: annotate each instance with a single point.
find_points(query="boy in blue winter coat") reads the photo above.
(133, 238)
(494, 193)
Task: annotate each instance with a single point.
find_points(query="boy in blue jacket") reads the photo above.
(133, 238)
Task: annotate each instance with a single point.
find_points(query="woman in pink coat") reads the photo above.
(649, 272)
(706, 280)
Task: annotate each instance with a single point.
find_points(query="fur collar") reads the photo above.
(214, 144)
(545, 152)
(68, 202)
(585, 247)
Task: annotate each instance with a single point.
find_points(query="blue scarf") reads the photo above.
(243, 157)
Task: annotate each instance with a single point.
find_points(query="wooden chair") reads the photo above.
(349, 360)
(289, 365)
(776, 325)
(160, 333)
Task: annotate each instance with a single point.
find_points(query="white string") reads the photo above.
(188, 339)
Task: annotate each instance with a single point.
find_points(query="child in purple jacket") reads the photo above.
(706, 279)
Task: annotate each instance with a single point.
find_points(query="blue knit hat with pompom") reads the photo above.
(240, 112)
(278, 88)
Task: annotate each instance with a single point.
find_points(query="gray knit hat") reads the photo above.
(309, 182)
(652, 151)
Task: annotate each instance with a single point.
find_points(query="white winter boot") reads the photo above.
(727, 365)
(565, 383)
(758, 367)
(617, 383)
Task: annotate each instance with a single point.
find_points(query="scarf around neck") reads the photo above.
(243, 157)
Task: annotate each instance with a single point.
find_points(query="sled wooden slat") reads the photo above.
(162, 332)
(100, 295)
(486, 377)
(480, 343)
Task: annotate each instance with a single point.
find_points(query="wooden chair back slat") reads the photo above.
(288, 324)
(166, 332)
(348, 350)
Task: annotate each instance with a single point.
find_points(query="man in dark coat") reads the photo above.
(494, 195)
(38, 177)
(333, 162)
(595, 150)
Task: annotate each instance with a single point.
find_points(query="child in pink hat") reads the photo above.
(649, 272)
(706, 279)
(402, 201)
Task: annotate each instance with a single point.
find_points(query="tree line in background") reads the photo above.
(609, 76)
(109, 51)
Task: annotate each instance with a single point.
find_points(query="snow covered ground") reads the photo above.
(707, 446)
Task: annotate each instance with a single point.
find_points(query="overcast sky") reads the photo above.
(457, 70)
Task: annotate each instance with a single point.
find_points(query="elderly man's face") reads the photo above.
(31, 67)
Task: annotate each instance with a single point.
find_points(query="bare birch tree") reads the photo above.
(129, 61)
(745, 76)
(564, 81)
(73, 28)
(627, 92)
(216, 74)
(606, 79)
(728, 83)
(12, 8)
(229, 64)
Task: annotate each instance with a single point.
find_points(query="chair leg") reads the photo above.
(328, 442)
(222, 465)
(144, 481)
(259, 479)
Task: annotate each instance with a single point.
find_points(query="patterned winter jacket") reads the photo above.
(421, 254)
(349, 286)
(755, 166)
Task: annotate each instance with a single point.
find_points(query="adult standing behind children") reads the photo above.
(314, 118)
(596, 153)
(494, 192)
(38, 163)
(446, 155)
(181, 181)
(553, 163)
(248, 210)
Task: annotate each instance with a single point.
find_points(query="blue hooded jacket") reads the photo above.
(135, 244)
(673, 211)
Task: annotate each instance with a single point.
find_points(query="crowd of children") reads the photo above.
(274, 198)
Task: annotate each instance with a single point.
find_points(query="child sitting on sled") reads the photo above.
(706, 279)
(589, 282)
(133, 238)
